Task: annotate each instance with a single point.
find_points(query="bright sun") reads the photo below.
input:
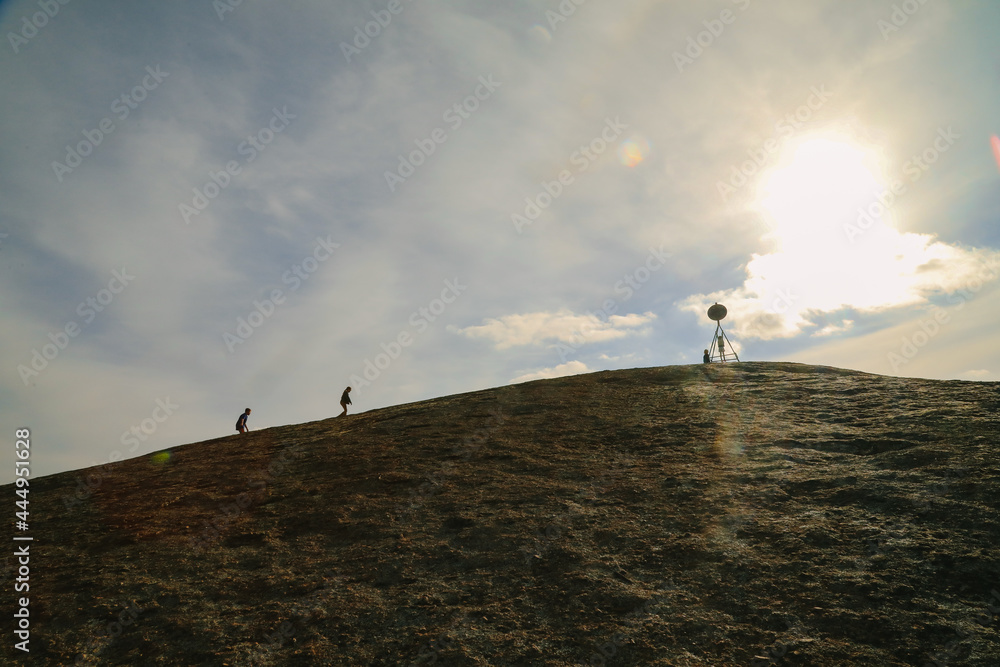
(826, 263)
(809, 200)
(816, 190)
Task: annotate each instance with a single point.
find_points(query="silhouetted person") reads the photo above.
(241, 423)
(345, 400)
(707, 359)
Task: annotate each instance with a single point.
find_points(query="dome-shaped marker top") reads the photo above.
(717, 312)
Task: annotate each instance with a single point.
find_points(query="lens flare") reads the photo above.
(633, 151)
(996, 148)
(160, 458)
(540, 34)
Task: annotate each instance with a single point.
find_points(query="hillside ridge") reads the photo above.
(719, 514)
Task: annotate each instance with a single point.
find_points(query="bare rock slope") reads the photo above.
(742, 514)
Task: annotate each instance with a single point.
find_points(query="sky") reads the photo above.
(208, 206)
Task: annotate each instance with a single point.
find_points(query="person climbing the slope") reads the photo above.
(345, 400)
(241, 423)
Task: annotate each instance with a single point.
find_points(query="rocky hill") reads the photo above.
(741, 514)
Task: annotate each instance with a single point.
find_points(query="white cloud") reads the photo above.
(945, 352)
(324, 176)
(569, 368)
(785, 293)
(829, 257)
(618, 357)
(831, 329)
(561, 326)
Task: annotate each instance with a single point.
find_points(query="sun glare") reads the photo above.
(810, 201)
(816, 190)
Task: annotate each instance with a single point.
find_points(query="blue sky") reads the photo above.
(211, 206)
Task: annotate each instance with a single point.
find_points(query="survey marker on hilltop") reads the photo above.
(717, 350)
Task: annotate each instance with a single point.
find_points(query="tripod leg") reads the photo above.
(731, 346)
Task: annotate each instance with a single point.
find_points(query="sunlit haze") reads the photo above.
(209, 206)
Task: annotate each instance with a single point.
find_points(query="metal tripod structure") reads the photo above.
(718, 351)
(720, 341)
